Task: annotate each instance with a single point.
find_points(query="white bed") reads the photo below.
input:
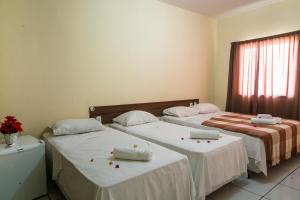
(213, 164)
(82, 171)
(255, 147)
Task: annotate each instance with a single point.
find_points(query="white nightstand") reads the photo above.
(22, 169)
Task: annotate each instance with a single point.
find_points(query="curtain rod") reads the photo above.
(267, 37)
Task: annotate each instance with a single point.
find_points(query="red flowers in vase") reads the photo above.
(11, 125)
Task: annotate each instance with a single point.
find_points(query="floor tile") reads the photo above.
(292, 181)
(275, 174)
(289, 165)
(259, 183)
(297, 171)
(46, 197)
(54, 192)
(231, 192)
(282, 192)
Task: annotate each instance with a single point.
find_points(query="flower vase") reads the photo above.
(11, 139)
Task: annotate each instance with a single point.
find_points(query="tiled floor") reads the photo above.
(53, 192)
(282, 183)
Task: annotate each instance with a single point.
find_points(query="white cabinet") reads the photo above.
(22, 169)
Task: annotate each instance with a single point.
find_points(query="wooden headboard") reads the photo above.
(107, 113)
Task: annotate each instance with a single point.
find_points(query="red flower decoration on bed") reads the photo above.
(11, 125)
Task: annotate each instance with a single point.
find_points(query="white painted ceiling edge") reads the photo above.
(220, 8)
(246, 8)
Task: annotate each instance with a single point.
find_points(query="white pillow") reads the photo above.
(204, 108)
(180, 111)
(135, 117)
(76, 126)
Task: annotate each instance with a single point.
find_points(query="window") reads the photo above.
(264, 76)
(268, 67)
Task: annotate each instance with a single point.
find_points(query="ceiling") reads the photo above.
(211, 7)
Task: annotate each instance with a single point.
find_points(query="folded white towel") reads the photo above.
(132, 154)
(264, 116)
(205, 134)
(272, 121)
(278, 120)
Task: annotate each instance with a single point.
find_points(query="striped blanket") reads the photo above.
(282, 141)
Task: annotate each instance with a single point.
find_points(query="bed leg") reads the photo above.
(249, 174)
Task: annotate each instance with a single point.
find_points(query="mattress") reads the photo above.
(254, 146)
(213, 163)
(82, 169)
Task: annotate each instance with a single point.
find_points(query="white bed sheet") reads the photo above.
(168, 174)
(213, 164)
(255, 147)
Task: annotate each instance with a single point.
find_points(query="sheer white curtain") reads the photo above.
(264, 75)
(268, 67)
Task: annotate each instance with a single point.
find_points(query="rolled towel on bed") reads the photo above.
(278, 120)
(205, 134)
(132, 154)
(272, 121)
(264, 116)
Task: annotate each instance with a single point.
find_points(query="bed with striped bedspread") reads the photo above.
(282, 141)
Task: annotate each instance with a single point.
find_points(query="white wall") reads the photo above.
(58, 57)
